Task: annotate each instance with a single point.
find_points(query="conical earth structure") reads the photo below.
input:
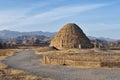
(70, 36)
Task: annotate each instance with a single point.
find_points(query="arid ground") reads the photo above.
(28, 61)
(7, 73)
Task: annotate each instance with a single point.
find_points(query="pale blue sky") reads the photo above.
(99, 18)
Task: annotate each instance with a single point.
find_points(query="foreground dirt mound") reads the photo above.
(70, 36)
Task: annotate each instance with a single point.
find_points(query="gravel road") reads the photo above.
(29, 61)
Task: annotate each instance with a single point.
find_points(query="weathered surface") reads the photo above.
(70, 36)
(83, 58)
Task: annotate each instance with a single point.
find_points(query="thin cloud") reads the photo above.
(51, 15)
(101, 27)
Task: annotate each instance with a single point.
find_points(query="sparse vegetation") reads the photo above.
(85, 58)
(13, 74)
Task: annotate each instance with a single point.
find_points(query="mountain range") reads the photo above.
(7, 34)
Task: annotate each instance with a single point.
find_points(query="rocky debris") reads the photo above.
(70, 36)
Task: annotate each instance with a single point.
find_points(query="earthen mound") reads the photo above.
(70, 36)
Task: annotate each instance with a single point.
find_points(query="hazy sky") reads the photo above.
(100, 18)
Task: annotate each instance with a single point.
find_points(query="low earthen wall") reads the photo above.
(57, 61)
(81, 63)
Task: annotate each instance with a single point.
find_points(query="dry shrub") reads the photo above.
(12, 74)
(2, 66)
(8, 52)
(9, 74)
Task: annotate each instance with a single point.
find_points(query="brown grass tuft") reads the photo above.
(13, 74)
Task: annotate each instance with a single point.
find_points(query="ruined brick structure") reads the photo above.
(70, 36)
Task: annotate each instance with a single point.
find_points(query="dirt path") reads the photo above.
(29, 61)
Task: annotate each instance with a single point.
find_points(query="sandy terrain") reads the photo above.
(29, 61)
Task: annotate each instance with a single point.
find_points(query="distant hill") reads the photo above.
(97, 40)
(31, 40)
(7, 34)
(101, 38)
(106, 39)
